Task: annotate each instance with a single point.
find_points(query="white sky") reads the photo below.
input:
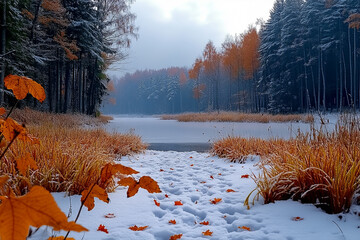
(175, 32)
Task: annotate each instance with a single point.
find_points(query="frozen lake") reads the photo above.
(159, 132)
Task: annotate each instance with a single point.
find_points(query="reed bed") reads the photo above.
(238, 117)
(319, 167)
(69, 157)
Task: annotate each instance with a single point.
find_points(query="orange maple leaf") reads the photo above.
(191, 165)
(2, 111)
(245, 176)
(176, 237)
(167, 196)
(24, 163)
(219, 174)
(204, 223)
(21, 86)
(178, 203)
(297, 219)
(215, 200)
(136, 228)
(230, 190)
(244, 228)
(207, 233)
(172, 221)
(95, 191)
(109, 170)
(36, 208)
(156, 203)
(102, 229)
(144, 182)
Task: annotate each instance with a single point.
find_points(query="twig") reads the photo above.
(81, 206)
(340, 229)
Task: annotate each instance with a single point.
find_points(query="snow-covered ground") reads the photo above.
(195, 179)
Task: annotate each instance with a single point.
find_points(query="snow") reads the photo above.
(185, 183)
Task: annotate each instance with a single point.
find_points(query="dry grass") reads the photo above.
(320, 168)
(69, 157)
(236, 149)
(238, 117)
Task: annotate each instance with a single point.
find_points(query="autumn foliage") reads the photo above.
(37, 207)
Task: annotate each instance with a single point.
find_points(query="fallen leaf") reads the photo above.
(2, 111)
(207, 233)
(204, 223)
(96, 191)
(24, 163)
(211, 177)
(297, 219)
(244, 228)
(36, 208)
(21, 86)
(191, 165)
(110, 215)
(167, 196)
(190, 157)
(102, 229)
(172, 222)
(110, 170)
(145, 182)
(245, 176)
(136, 228)
(175, 237)
(171, 169)
(219, 174)
(215, 200)
(230, 190)
(161, 170)
(178, 203)
(203, 182)
(156, 203)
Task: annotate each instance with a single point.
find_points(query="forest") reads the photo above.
(66, 46)
(305, 57)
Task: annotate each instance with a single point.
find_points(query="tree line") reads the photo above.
(304, 58)
(66, 46)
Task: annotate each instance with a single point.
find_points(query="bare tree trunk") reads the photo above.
(67, 86)
(351, 69)
(355, 70)
(3, 50)
(324, 81)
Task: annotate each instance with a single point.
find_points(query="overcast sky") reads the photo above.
(175, 32)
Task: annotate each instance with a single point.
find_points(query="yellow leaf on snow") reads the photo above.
(24, 163)
(36, 208)
(96, 191)
(21, 86)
